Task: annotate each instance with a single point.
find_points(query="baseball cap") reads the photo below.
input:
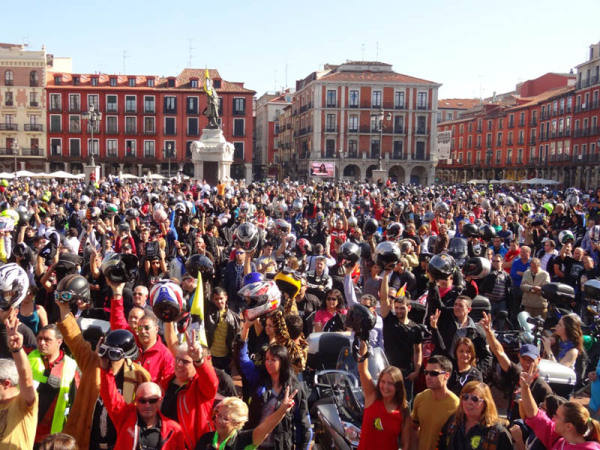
(529, 350)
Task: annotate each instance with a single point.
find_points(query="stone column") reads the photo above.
(248, 173)
(47, 167)
(407, 171)
(431, 174)
(157, 168)
(140, 171)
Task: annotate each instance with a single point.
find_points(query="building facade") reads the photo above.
(349, 115)
(22, 108)
(454, 108)
(148, 122)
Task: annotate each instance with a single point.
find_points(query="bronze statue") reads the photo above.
(212, 109)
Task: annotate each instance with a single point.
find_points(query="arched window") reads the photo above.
(8, 78)
(33, 78)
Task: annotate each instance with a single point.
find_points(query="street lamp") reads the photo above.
(341, 157)
(93, 117)
(380, 116)
(15, 149)
(170, 155)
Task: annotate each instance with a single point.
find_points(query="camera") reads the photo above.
(152, 249)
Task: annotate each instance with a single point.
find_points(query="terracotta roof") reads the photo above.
(458, 103)
(3, 45)
(530, 101)
(366, 77)
(183, 80)
(368, 63)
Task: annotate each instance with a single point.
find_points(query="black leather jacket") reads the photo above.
(211, 320)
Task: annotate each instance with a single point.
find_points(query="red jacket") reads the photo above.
(195, 401)
(124, 417)
(158, 359)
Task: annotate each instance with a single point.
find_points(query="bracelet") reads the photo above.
(17, 350)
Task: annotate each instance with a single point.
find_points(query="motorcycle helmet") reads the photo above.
(592, 289)
(361, 320)
(72, 288)
(458, 249)
(24, 215)
(119, 268)
(548, 208)
(22, 250)
(303, 246)
(365, 250)
(167, 300)
(352, 222)
(442, 208)
(288, 282)
(595, 234)
(7, 224)
(123, 227)
(244, 207)
(199, 263)
(428, 217)
(263, 297)
(11, 214)
(252, 277)
(119, 344)
(297, 205)
(441, 266)
(247, 237)
(282, 225)
(159, 216)
(477, 268)
(470, 230)
(136, 203)
(111, 209)
(370, 227)
(387, 254)
(394, 230)
(14, 284)
(526, 208)
(538, 220)
(487, 232)
(565, 236)
(132, 213)
(350, 252)
(558, 292)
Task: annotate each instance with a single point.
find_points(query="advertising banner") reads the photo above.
(322, 169)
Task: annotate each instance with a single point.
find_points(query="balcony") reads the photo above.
(34, 104)
(511, 125)
(532, 141)
(352, 130)
(9, 103)
(421, 131)
(422, 107)
(23, 152)
(149, 111)
(9, 127)
(34, 127)
(331, 105)
(75, 153)
(131, 131)
(193, 132)
(533, 122)
(331, 129)
(399, 130)
(238, 112)
(149, 155)
(400, 106)
(399, 156)
(74, 108)
(130, 155)
(420, 157)
(130, 110)
(478, 129)
(353, 105)
(112, 154)
(112, 109)
(169, 132)
(8, 83)
(55, 108)
(112, 130)
(521, 141)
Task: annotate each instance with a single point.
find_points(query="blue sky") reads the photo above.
(472, 47)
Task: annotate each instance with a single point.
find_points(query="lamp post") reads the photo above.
(93, 117)
(380, 116)
(15, 148)
(341, 157)
(170, 155)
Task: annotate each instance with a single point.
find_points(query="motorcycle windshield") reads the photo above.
(376, 362)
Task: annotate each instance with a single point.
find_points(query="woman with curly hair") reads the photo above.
(328, 317)
(475, 424)
(567, 343)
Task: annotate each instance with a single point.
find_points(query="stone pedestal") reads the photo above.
(89, 170)
(380, 174)
(212, 156)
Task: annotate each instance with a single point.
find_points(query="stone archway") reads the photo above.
(397, 174)
(418, 175)
(370, 170)
(351, 171)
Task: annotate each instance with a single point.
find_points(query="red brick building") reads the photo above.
(148, 122)
(454, 108)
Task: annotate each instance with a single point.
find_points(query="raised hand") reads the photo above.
(528, 377)
(486, 322)
(288, 400)
(433, 319)
(14, 339)
(194, 347)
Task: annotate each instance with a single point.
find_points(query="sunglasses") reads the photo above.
(472, 398)
(182, 362)
(150, 401)
(145, 327)
(112, 353)
(434, 373)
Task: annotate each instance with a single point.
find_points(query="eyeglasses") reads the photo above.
(496, 260)
(434, 373)
(182, 362)
(333, 299)
(112, 353)
(151, 400)
(472, 398)
(145, 327)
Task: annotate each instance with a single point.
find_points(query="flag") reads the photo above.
(401, 292)
(197, 309)
(207, 83)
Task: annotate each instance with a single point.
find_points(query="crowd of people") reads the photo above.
(171, 315)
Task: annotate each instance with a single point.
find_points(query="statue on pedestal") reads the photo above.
(212, 109)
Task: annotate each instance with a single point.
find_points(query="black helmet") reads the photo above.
(458, 249)
(124, 227)
(558, 293)
(136, 202)
(371, 226)
(441, 266)
(592, 289)
(393, 230)
(477, 268)
(119, 268)
(387, 253)
(119, 344)
(365, 250)
(247, 236)
(24, 215)
(199, 263)
(132, 213)
(361, 320)
(350, 252)
(470, 230)
(487, 232)
(72, 288)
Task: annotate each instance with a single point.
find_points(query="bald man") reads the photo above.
(140, 425)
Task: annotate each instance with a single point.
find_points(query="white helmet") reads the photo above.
(14, 284)
(595, 234)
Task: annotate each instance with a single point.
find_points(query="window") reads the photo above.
(398, 150)
(111, 125)
(92, 100)
(470, 141)
(56, 147)
(130, 146)
(421, 100)
(511, 121)
(470, 127)
(520, 156)
(8, 78)
(171, 82)
(149, 107)
(460, 143)
(331, 99)
(55, 123)
(149, 125)
(239, 106)
(217, 84)
(376, 99)
(94, 81)
(170, 152)
(500, 123)
(150, 82)
(74, 147)
(111, 103)
(509, 156)
(74, 124)
(57, 81)
(170, 126)
(238, 150)
(374, 148)
(421, 121)
(489, 125)
(93, 147)
(353, 124)
(55, 103)
(130, 104)
(33, 99)
(113, 82)
(353, 99)
(399, 124)
(420, 151)
(352, 148)
(498, 139)
(74, 103)
(34, 78)
(149, 149)
(194, 83)
(330, 123)
(399, 100)
(131, 82)
(76, 81)
(170, 105)
(188, 149)
(192, 105)
(469, 158)
(238, 127)
(193, 126)
(498, 156)
(130, 125)
(111, 148)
